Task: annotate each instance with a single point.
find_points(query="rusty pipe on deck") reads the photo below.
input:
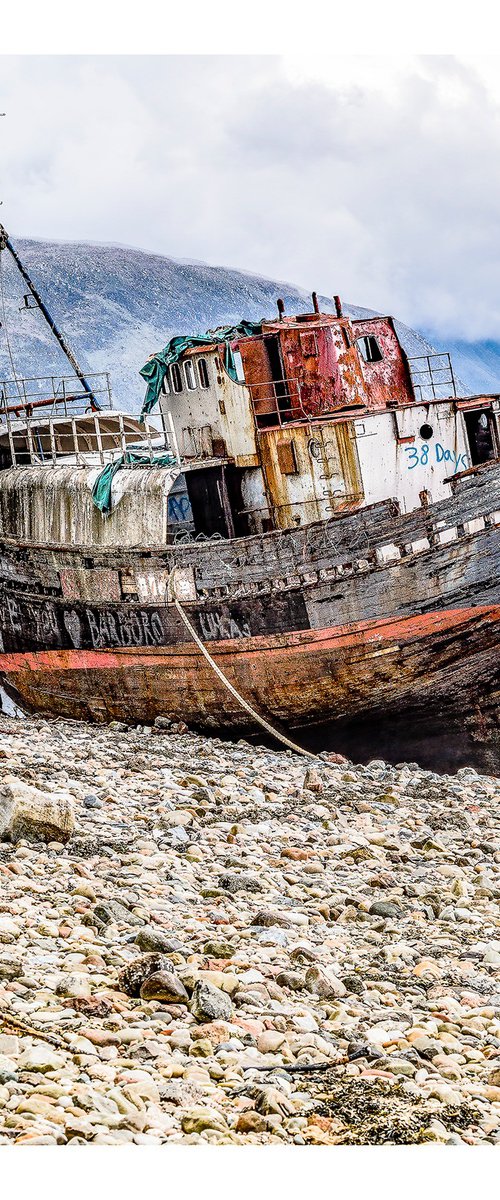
(315, 302)
(338, 306)
(281, 308)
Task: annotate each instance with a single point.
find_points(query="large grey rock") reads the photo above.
(208, 1003)
(150, 938)
(325, 985)
(112, 910)
(27, 813)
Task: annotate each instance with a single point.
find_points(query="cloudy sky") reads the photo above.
(375, 178)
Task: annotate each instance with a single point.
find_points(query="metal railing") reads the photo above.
(64, 394)
(280, 403)
(47, 420)
(432, 376)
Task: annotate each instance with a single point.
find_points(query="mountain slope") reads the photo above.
(117, 306)
(476, 362)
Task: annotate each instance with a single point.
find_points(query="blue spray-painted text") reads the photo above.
(423, 456)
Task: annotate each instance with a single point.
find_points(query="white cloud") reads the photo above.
(376, 178)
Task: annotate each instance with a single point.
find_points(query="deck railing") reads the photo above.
(46, 420)
(280, 402)
(64, 394)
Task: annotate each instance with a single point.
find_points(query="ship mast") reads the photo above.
(6, 244)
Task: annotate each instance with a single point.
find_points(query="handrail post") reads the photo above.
(11, 439)
(30, 437)
(98, 438)
(148, 437)
(75, 440)
(52, 441)
(123, 442)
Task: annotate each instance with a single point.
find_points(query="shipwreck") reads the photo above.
(303, 523)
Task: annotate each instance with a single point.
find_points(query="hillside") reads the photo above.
(117, 305)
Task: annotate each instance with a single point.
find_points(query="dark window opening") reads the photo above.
(278, 385)
(480, 436)
(203, 373)
(426, 432)
(176, 377)
(190, 375)
(369, 349)
(209, 500)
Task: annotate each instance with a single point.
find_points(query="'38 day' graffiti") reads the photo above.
(430, 453)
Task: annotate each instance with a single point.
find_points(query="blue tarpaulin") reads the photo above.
(101, 491)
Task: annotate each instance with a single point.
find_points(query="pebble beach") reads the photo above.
(226, 944)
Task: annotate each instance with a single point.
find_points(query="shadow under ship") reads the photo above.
(316, 509)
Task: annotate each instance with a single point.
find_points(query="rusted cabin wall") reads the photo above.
(54, 504)
(325, 364)
(327, 476)
(396, 461)
(221, 412)
(257, 370)
(320, 364)
(389, 379)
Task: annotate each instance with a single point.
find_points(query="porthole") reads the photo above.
(315, 449)
(426, 432)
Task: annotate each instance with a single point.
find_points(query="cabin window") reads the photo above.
(426, 432)
(176, 377)
(165, 387)
(203, 373)
(369, 349)
(238, 364)
(190, 375)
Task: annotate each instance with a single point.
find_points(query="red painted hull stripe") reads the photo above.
(358, 635)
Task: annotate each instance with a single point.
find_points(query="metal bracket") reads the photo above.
(26, 302)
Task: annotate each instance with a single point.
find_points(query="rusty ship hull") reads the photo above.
(372, 615)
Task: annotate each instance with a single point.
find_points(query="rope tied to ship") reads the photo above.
(280, 737)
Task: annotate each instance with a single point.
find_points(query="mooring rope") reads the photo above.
(223, 678)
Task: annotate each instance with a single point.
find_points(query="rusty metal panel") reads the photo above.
(258, 378)
(327, 476)
(287, 460)
(387, 381)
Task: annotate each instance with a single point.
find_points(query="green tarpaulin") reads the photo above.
(101, 491)
(155, 369)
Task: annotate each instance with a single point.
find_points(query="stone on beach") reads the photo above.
(285, 959)
(33, 815)
(209, 1003)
